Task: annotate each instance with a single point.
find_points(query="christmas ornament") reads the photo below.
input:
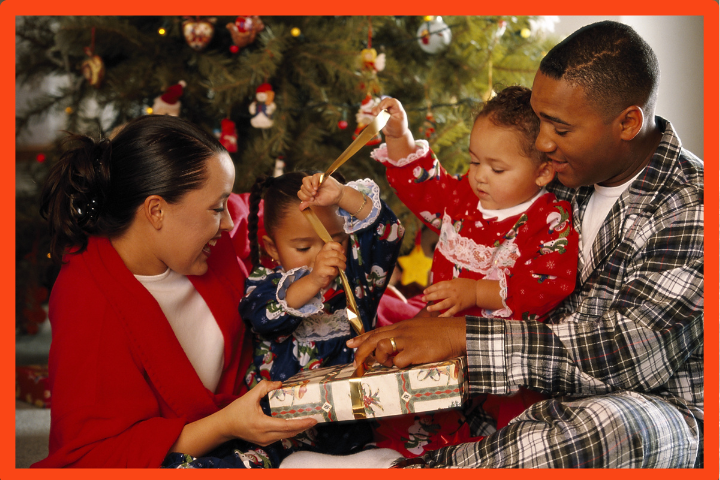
(234, 49)
(428, 127)
(295, 32)
(162, 31)
(371, 61)
(244, 30)
(169, 102)
(502, 26)
(93, 68)
(198, 32)
(364, 116)
(416, 266)
(263, 108)
(228, 135)
(279, 166)
(525, 33)
(342, 124)
(69, 110)
(434, 35)
(40, 157)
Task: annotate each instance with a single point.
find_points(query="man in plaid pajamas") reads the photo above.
(623, 355)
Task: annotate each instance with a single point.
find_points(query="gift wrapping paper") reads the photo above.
(332, 394)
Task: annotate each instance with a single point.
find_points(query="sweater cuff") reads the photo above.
(312, 307)
(372, 191)
(380, 154)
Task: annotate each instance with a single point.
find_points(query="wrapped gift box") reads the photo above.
(333, 394)
(32, 385)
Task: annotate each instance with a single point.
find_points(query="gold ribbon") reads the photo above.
(356, 396)
(352, 309)
(368, 132)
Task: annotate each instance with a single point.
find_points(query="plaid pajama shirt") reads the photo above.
(623, 355)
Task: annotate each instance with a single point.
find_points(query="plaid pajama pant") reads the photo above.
(619, 430)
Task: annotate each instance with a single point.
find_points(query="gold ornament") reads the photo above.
(93, 69)
(295, 32)
(198, 32)
(525, 33)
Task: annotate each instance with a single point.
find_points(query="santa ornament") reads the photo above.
(198, 32)
(244, 30)
(228, 135)
(263, 108)
(364, 117)
(169, 102)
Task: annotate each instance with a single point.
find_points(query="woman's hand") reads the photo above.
(246, 419)
(397, 124)
(313, 193)
(328, 262)
(418, 340)
(453, 295)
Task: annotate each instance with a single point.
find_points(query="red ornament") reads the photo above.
(228, 135)
(40, 157)
(234, 48)
(342, 124)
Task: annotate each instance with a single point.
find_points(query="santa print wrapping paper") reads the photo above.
(326, 394)
(32, 385)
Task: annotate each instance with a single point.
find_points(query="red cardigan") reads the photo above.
(122, 385)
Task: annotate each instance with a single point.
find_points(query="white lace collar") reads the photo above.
(504, 213)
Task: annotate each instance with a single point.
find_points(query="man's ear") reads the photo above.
(544, 174)
(154, 210)
(270, 247)
(630, 122)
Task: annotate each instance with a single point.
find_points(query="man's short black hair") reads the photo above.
(612, 63)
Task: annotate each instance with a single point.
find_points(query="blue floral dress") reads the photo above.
(287, 340)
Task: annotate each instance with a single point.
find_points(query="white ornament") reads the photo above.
(434, 35)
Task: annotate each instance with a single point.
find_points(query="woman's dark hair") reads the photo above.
(511, 108)
(96, 187)
(280, 193)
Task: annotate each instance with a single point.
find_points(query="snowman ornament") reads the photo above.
(263, 108)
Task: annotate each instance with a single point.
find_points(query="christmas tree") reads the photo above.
(288, 88)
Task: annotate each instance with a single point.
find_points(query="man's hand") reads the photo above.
(418, 340)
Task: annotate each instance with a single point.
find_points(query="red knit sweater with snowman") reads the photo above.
(533, 254)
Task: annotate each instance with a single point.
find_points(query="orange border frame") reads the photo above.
(706, 8)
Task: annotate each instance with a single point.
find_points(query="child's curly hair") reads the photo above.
(511, 108)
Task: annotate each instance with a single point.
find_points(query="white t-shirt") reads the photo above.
(190, 318)
(600, 203)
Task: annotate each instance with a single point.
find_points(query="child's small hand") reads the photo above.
(456, 295)
(327, 262)
(397, 125)
(313, 193)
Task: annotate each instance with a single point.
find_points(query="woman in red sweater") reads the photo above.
(147, 356)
